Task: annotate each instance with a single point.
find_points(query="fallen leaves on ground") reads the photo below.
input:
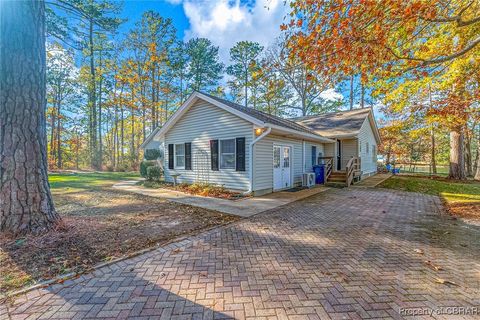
(447, 282)
(431, 265)
(97, 226)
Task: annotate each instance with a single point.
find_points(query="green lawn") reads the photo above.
(69, 182)
(461, 197)
(98, 224)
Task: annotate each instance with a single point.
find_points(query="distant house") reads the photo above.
(217, 141)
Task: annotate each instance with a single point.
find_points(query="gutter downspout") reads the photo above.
(250, 173)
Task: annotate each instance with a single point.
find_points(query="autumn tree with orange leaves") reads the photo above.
(425, 44)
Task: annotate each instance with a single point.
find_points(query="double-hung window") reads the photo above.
(180, 156)
(227, 154)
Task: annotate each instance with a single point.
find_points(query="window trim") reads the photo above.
(234, 154)
(175, 166)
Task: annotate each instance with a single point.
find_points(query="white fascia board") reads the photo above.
(307, 135)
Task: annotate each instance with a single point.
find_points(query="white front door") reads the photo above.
(282, 174)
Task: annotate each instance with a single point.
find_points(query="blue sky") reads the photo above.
(224, 22)
(133, 11)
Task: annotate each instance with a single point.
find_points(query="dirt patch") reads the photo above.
(97, 226)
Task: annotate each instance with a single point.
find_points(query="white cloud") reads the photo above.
(331, 95)
(227, 22)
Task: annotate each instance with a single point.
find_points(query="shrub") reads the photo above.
(144, 165)
(152, 154)
(154, 173)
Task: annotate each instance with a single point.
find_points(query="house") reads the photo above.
(213, 140)
(356, 135)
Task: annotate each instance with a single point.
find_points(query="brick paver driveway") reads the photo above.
(340, 254)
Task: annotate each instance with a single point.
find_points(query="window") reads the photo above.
(367, 148)
(374, 153)
(180, 156)
(276, 157)
(227, 154)
(286, 157)
(314, 155)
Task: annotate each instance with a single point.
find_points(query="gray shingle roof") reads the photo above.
(264, 117)
(335, 123)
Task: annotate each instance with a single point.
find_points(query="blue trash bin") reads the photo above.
(319, 173)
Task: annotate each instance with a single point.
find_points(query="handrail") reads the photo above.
(328, 166)
(350, 168)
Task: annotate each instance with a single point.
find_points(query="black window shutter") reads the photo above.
(170, 156)
(188, 156)
(214, 154)
(240, 155)
(314, 155)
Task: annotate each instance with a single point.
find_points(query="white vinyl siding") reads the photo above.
(367, 137)
(263, 161)
(308, 154)
(200, 124)
(349, 150)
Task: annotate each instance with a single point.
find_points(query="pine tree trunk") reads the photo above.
(351, 92)
(25, 201)
(362, 97)
(93, 100)
(59, 139)
(457, 156)
(477, 160)
(468, 155)
(52, 135)
(433, 150)
(154, 105)
(100, 141)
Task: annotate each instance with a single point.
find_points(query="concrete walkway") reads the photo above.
(243, 207)
(373, 181)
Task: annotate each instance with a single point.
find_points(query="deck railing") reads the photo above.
(352, 167)
(328, 161)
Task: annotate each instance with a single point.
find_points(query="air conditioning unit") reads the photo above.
(308, 179)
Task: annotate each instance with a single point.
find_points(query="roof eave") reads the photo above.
(307, 135)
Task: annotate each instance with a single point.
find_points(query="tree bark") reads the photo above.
(433, 151)
(468, 155)
(362, 97)
(93, 100)
(25, 201)
(100, 141)
(457, 156)
(59, 138)
(477, 173)
(351, 92)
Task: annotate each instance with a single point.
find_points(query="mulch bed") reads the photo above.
(464, 210)
(98, 226)
(204, 190)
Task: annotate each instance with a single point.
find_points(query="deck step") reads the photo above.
(337, 179)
